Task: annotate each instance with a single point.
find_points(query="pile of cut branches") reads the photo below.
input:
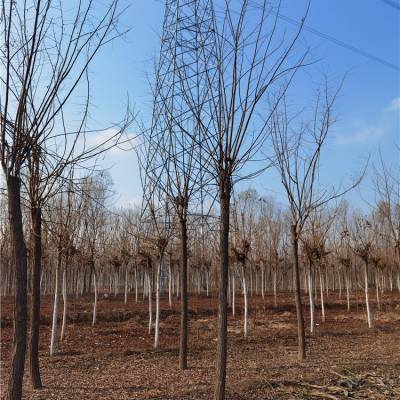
(348, 385)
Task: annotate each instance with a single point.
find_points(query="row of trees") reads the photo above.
(89, 249)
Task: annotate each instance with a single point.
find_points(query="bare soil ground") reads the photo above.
(115, 359)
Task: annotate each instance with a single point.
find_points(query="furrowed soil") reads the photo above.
(115, 359)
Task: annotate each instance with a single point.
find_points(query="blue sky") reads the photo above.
(368, 108)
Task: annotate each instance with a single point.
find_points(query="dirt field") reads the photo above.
(116, 360)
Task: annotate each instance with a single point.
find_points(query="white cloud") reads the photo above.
(394, 105)
(362, 132)
(360, 136)
(110, 138)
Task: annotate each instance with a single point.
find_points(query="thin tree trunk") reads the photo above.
(229, 290)
(17, 365)
(90, 282)
(184, 299)
(150, 302)
(53, 339)
(222, 324)
(377, 289)
(233, 295)
(398, 281)
(256, 278)
(144, 286)
(169, 284)
(126, 285)
(327, 283)
(36, 218)
(136, 286)
(369, 319)
(65, 300)
(198, 281)
(251, 280)
(207, 282)
(299, 307)
(95, 295)
(245, 302)
(321, 284)
(177, 285)
(262, 281)
(157, 322)
(311, 299)
(348, 292)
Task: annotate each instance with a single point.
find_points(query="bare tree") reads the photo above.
(247, 63)
(97, 192)
(362, 236)
(177, 158)
(297, 153)
(46, 53)
(387, 187)
(244, 218)
(315, 251)
(156, 213)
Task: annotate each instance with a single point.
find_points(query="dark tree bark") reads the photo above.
(225, 193)
(14, 391)
(184, 298)
(299, 307)
(36, 216)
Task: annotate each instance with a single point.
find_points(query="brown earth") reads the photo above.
(115, 359)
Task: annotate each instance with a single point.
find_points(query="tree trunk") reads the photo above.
(36, 220)
(233, 295)
(321, 284)
(53, 339)
(229, 290)
(219, 393)
(245, 302)
(299, 307)
(95, 293)
(207, 281)
(311, 298)
(65, 300)
(157, 322)
(14, 390)
(177, 284)
(136, 286)
(126, 285)
(377, 289)
(262, 281)
(369, 319)
(184, 298)
(169, 284)
(150, 301)
(251, 280)
(198, 281)
(90, 281)
(347, 291)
